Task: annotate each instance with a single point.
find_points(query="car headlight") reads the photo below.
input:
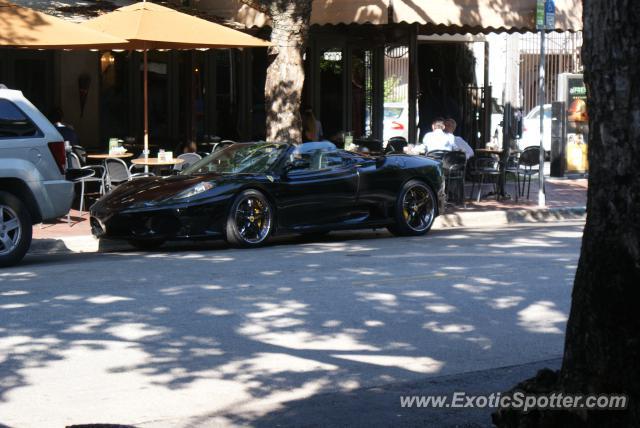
(194, 190)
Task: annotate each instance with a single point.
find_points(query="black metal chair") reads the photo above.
(96, 177)
(530, 162)
(396, 145)
(483, 167)
(437, 154)
(81, 152)
(513, 167)
(368, 145)
(454, 165)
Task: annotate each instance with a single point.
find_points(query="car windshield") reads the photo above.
(243, 158)
(392, 112)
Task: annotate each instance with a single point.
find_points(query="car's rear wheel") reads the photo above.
(147, 244)
(415, 209)
(15, 229)
(250, 220)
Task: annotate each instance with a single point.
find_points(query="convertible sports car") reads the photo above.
(249, 191)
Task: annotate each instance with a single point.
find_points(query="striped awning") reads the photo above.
(459, 16)
(484, 16)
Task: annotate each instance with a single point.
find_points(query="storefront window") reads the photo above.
(158, 78)
(396, 92)
(362, 92)
(226, 110)
(332, 93)
(115, 96)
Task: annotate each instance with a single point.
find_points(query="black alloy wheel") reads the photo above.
(250, 220)
(415, 210)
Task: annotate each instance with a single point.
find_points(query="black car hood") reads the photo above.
(151, 190)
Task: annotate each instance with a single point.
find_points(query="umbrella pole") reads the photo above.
(146, 110)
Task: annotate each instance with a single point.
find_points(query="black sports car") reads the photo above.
(249, 191)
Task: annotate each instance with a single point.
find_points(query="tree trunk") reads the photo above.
(285, 74)
(602, 346)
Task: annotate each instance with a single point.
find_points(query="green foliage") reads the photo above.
(390, 85)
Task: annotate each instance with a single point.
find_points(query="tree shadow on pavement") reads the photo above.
(230, 335)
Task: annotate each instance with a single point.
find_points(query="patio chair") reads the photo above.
(97, 177)
(454, 165)
(481, 168)
(396, 145)
(116, 172)
(81, 153)
(437, 154)
(189, 159)
(222, 145)
(530, 162)
(513, 167)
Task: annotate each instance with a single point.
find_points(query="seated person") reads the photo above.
(437, 139)
(311, 127)
(187, 147)
(68, 133)
(460, 144)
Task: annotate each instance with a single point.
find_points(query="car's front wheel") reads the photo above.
(15, 229)
(415, 209)
(250, 220)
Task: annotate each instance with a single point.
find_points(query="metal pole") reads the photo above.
(146, 111)
(541, 96)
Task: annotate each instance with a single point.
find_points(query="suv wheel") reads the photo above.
(15, 229)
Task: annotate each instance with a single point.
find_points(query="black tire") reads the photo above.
(15, 229)
(147, 244)
(250, 220)
(415, 210)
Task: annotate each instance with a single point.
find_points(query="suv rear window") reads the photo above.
(14, 123)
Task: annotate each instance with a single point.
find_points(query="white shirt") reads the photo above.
(438, 140)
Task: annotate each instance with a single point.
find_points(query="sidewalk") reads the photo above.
(560, 193)
(566, 199)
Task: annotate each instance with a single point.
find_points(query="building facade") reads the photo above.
(363, 57)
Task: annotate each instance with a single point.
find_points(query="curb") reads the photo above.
(88, 244)
(509, 217)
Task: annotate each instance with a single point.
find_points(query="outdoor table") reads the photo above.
(501, 178)
(156, 161)
(107, 155)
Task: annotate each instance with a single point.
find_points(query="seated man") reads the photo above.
(460, 144)
(437, 139)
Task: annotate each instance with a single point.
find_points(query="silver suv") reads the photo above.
(32, 174)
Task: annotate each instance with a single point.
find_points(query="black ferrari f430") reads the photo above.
(249, 191)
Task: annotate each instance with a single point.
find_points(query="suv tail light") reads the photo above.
(397, 126)
(59, 155)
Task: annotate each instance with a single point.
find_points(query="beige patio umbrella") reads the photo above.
(150, 26)
(26, 28)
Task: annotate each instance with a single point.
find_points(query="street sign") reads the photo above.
(550, 15)
(540, 14)
(545, 15)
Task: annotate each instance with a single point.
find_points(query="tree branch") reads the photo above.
(259, 5)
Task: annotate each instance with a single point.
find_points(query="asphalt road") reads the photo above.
(211, 336)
